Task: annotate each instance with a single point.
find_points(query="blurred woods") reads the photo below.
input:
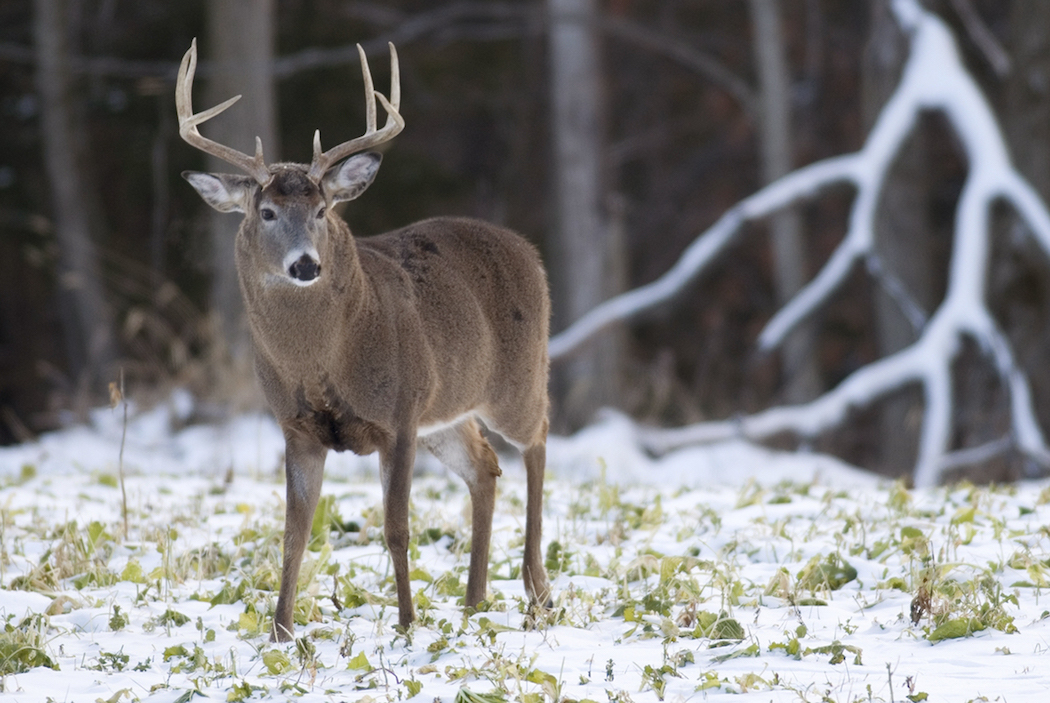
(609, 132)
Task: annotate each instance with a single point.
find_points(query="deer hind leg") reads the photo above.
(468, 454)
(533, 572)
(304, 470)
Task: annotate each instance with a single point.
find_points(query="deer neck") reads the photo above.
(297, 327)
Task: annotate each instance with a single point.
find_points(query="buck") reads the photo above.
(384, 343)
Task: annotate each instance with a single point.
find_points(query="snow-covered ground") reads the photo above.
(715, 571)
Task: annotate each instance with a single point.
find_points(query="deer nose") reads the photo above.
(304, 269)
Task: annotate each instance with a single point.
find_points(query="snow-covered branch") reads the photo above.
(803, 183)
(933, 79)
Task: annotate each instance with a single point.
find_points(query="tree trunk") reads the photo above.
(240, 48)
(1028, 91)
(801, 376)
(584, 265)
(85, 316)
(902, 239)
(1021, 277)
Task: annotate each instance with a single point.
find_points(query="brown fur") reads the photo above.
(433, 326)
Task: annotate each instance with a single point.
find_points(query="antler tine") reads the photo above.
(254, 166)
(395, 79)
(372, 136)
(370, 93)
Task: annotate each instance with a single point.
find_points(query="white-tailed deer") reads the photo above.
(381, 343)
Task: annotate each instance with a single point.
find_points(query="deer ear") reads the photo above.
(224, 192)
(350, 178)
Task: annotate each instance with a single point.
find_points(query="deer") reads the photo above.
(413, 338)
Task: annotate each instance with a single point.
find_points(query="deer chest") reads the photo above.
(334, 424)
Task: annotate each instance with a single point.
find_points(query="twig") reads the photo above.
(117, 397)
(983, 38)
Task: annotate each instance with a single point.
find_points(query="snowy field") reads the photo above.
(728, 572)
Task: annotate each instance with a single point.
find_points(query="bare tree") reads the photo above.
(800, 371)
(240, 41)
(583, 271)
(85, 315)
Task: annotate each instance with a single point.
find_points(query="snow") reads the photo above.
(722, 528)
(934, 78)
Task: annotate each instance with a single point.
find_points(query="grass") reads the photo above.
(691, 593)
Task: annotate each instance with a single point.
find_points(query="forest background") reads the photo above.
(609, 133)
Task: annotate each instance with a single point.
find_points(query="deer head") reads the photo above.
(286, 206)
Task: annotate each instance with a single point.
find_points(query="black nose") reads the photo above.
(304, 269)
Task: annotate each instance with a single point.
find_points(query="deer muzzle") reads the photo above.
(305, 269)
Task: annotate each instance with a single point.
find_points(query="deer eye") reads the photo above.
(320, 214)
(267, 214)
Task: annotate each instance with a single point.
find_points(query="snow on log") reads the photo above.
(934, 78)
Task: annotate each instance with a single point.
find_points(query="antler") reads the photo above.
(372, 137)
(188, 122)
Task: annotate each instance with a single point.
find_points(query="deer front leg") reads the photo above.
(397, 482)
(304, 470)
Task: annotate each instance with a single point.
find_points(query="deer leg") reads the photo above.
(533, 572)
(397, 482)
(304, 470)
(468, 454)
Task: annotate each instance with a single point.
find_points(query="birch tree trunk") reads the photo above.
(84, 313)
(799, 369)
(240, 48)
(583, 268)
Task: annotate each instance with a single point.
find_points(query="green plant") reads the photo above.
(22, 645)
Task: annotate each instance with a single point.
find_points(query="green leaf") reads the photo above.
(326, 518)
(812, 602)
(751, 650)
(276, 661)
(837, 650)
(228, 594)
(717, 627)
(176, 651)
(173, 617)
(359, 663)
(960, 627)
(540, 677)
(832, 573)
(133, 572)
(465, 695)
(249, 622)
(96, 531)
(118, 620)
